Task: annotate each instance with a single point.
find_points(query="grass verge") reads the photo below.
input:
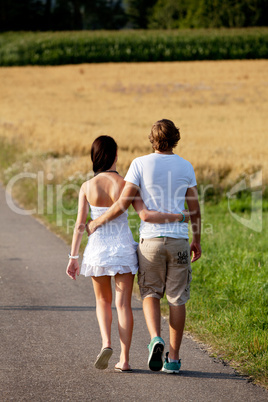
(228, 309)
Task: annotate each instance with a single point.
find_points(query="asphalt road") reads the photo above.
(50, 337)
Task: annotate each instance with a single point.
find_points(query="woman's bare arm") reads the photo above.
(83, 208)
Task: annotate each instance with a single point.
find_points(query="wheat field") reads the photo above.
(221, 108)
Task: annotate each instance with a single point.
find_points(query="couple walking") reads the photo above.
(157, 185)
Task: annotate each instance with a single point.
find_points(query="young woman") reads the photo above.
(111, 250)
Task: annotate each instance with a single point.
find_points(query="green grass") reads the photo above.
(228, 309)
(57, 48)
(229, 302)
(9, 152)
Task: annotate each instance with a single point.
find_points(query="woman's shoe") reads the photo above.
(102, 359)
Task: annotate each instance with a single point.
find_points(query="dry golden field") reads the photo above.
(221, 108)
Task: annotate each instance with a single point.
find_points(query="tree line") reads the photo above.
(44, 15)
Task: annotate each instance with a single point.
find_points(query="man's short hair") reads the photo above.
(164, 135)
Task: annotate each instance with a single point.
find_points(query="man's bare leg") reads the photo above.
(176, 326)
(151, 309)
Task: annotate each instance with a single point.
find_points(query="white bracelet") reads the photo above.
(73, 257)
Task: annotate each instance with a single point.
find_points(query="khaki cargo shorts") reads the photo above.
(164, 266)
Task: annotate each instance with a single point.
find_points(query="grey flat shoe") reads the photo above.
(103, 358)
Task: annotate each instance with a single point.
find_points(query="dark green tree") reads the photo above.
(101, 14)
(88, 14)
(168, 14)
(47, 15)
(139, 12)
(21, 15)
(209, 13)
(38, 15)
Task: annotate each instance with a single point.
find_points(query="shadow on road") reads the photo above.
(56, 308)
(194, 374)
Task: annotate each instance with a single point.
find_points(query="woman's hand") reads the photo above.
(187, 215)
(73, 269)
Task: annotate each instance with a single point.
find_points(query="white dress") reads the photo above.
(111, 249)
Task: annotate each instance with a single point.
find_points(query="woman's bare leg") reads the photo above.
(103, 294)
(123, 292)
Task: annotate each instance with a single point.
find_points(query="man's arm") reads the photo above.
(195, 216)
(118, 208)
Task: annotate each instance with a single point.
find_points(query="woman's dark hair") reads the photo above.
(103, 153)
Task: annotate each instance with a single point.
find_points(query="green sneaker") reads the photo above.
(156, 349)
(171, 367)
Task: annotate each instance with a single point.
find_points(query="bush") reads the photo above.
(57, 48)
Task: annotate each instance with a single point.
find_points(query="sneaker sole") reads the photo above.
(170, 371)
(155, 359)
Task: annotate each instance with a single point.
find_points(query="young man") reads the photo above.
(165, 182)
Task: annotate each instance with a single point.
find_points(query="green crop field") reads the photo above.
(57, 48)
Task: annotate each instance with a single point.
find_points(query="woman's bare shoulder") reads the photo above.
(121, 181)
(86, 184)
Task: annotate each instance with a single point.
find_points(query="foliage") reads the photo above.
(168, 14)
(44, 15)
(36, 15)
(9, 152)
(20, 14)
(96, 47)
(138, 12)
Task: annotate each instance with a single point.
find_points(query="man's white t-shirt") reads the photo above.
(163, 180)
